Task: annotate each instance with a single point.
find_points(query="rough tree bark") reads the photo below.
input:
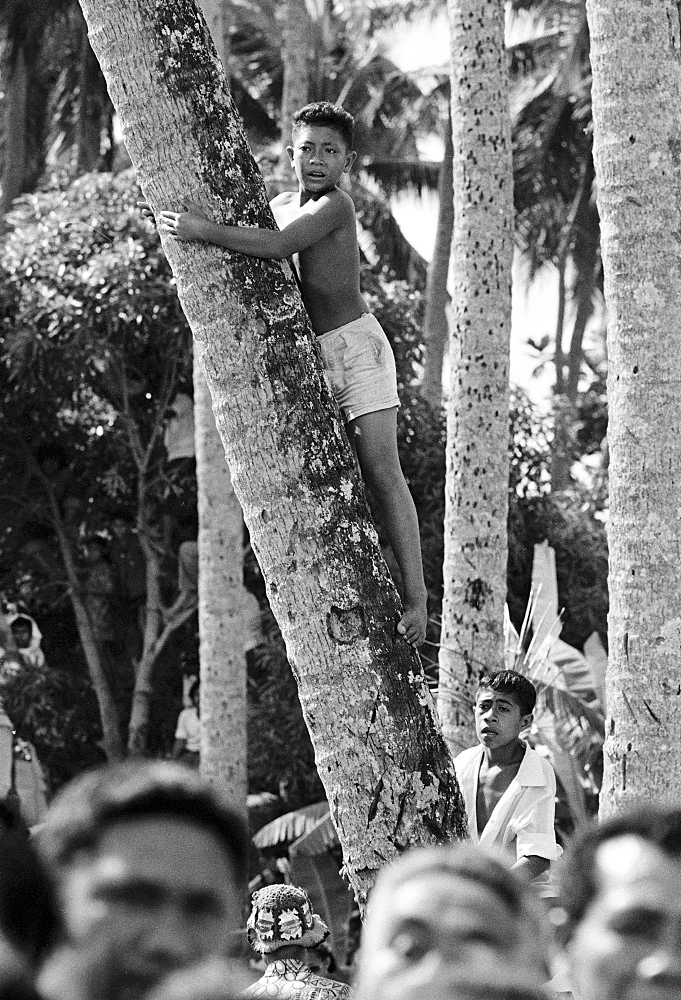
(221, 601)
(476, 492)
(636, 60)
(379, 752)
(222, 661)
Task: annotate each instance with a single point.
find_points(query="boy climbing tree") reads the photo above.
(385, 767)
(317, 226)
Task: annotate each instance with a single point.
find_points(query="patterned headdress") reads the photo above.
(282, 915)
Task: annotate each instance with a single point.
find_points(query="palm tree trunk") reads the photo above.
(384, 764)
(221, 591)
(476, 491)
(296, 58)
(16, 96)
(221, 599)
(436, 326)
(635, 52)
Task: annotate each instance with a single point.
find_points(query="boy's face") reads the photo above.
(22, 635)
(499, 719)
(319, 157)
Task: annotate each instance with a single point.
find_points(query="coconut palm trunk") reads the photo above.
(296, 59)
(221, 600)
(222, 661)
(476, 499)
(636, 60)
(379, 752)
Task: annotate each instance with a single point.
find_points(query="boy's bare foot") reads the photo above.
(412, 624)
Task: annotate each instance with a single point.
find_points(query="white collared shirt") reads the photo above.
(522, 820)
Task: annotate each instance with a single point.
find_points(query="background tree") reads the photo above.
(636, 60)
(436, 324)
(89, 389)
(476, 494)
(362, 691)
(55, 107)
(554, 193)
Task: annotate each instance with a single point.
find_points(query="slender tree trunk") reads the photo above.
(221, 589)
(586, 253)
(88, 124)
(157, 631)
(379, 752)
(221, 601)
(16, 95)
(560, 450)
(296, 56)
(436, 325)
(578, 236)
(112, 742)
(476, 492)
(636, 61)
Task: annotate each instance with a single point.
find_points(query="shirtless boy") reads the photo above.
(317, 228)
(509, 789)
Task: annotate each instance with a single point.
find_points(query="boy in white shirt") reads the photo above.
(187, 744)
(509, 790)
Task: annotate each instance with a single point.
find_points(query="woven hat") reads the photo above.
(282, 915)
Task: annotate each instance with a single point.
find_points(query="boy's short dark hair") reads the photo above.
(193, 688)
(326, 114)
(98, 799)
(578, 874)
(21, 621)
(514, 684)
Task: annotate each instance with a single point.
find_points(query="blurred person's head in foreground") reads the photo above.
(148, 862)
(621, 894)
(451, 923)
(212, 979)
(29, 918)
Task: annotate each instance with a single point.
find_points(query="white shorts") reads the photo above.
(360, 367)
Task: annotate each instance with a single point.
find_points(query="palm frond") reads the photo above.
(286, 829)
(400, 174)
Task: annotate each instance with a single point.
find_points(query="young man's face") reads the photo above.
(22, 635)
(499, 720)
(319, 157)
(156, 894)
(442, 936)
(628, 944)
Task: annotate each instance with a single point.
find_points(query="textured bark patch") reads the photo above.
(346, 625)
(477, 593)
